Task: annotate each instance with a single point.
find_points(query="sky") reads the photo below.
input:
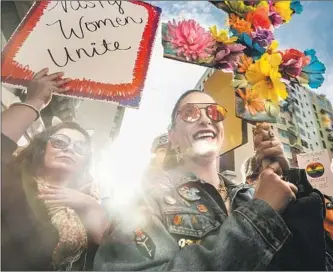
(166, 80)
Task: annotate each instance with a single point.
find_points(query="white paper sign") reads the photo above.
(103, 46)
(317, 166)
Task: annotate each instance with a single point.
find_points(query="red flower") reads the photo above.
(259, 18)
(293, 61)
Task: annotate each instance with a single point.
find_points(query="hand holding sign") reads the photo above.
(42, 86)
(103, 46)
(269, 148)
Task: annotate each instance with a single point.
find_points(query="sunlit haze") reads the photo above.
(126, 159)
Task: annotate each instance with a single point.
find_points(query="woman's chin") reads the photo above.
(205, 148)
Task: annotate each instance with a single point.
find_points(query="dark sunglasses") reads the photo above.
(61, 141)
(191, 112)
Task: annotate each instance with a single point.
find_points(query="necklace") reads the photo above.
(223, 192)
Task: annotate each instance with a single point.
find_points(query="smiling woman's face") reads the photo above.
(203, 137)
(66, 159)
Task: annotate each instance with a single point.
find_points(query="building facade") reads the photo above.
(304, 125)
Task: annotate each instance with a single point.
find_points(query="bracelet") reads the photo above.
(29, 106)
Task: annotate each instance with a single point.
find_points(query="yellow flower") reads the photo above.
(272, 55)
(266, 80)
(283, 8)
(238, 7)
(222, 35)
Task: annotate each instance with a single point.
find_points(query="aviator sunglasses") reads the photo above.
(191, 112)
(61, 141)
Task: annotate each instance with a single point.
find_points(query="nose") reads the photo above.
(204, 119)
(70, 148)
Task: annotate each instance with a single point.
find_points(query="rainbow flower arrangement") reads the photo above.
(249, 50)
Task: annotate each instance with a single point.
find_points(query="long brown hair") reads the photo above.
(33, 154)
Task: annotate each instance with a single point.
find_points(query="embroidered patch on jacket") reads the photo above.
(189, 193)
(144, 243)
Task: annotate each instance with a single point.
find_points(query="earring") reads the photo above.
(179, 155)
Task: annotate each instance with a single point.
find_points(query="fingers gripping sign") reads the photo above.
(268, 148)
(273, 190)
(42, 87)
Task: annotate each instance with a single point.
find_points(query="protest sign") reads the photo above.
(103, 46)
(317, 166)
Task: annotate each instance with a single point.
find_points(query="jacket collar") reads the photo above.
(180, 177)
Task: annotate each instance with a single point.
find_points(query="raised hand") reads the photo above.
(42, 86)
(276, 192)
(268, 147)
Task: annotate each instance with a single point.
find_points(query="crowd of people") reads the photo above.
(187, 216)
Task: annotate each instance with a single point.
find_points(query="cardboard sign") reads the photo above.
(317, 166)
(235, 128)
(103, 46)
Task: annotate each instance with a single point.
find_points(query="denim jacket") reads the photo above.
(183, 225)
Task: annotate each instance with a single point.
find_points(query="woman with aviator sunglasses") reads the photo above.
(51, 216)
(196, 219)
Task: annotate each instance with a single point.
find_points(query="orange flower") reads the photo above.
(259, 17)
(239, 24)
(244, 63)
(252, 102)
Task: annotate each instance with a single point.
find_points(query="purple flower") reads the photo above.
(262, 36)
(227, 56)
(274, 17)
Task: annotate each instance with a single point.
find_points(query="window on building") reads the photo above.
(307, 104)
(306, 124)
(286, 147)
(309, 136)
(299, 120)
(302, 131)
(304, 115)
(314, 107)
(311, 122)
(322, 102)
(305, 143)
(297, 109)
(316, 115)
(324, 144)
(314, 133)
(283, 121)
(318, 124)
(321, 134)
(302, 105)
(317, 144)
(283, 133)
(311, 146)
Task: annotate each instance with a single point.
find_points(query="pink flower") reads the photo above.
(227, 56)
(190, 40)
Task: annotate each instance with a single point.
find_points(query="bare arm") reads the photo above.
(18, 118)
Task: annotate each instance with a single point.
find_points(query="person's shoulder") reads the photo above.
(157, 180)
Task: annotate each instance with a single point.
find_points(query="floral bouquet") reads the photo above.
(248, 50)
